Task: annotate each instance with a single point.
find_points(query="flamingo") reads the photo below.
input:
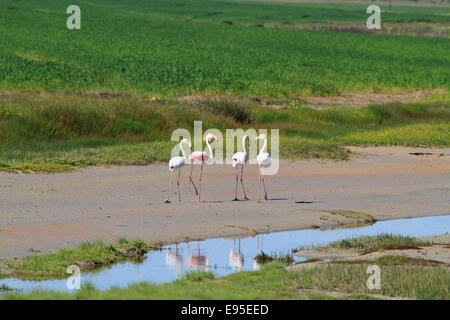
(240, 159)
(202, 157)
(176, 164)
(263, 160)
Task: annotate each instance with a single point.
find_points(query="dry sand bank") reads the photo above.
(46, 212)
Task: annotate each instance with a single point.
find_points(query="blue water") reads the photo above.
(227, 255)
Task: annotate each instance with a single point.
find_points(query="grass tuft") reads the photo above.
(87, 255)
(263, 258)
(367, 244)
(234, 108)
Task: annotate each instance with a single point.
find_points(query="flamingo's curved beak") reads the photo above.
(214, 137)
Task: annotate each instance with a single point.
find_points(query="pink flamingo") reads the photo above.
(201, 157)
(240, 159)
(263, 160)
(176, 164)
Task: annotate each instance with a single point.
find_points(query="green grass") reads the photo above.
(368, 244)
(199, 275)
(273, 281)
(258, 12)
(400, 260)
(238, 111)
(157, 52)
(87, 255)
(61, 132)
(417, 282)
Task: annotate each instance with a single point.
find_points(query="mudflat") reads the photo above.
(44, 212)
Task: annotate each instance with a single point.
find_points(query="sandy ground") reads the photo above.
(345, 99)
(365, 99)
(45, 212)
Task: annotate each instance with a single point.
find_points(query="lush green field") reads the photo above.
(148, 48)
(57, 132)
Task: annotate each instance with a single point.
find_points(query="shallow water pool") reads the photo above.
(227, 255)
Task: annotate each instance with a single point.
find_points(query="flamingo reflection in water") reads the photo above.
(256, 264)
(236, 258)
(175, 259)
(198, 261)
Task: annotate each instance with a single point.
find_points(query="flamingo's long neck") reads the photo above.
(182, 150)
(264, 148)
(210, 150)
(243, 143)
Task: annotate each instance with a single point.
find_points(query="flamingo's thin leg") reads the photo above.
(242, 183)
(178, 184)
(235, 189)
(259, 189)
(190, 177)
(170, 186)
(265, 192)
(200, 182)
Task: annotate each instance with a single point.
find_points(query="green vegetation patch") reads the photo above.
(234, 108)
(411, 281)
(401, 260)
(199, 275)
(88, 255)
(54, 133)
(263, 258)
(367, 244)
